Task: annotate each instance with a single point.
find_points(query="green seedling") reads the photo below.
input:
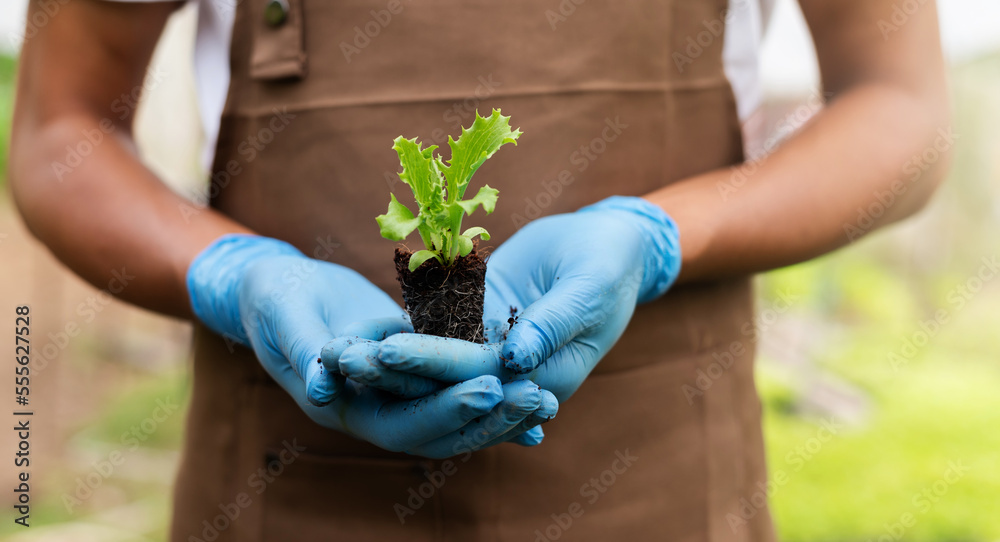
(439, 187)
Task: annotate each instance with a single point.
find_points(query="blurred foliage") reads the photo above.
(925, 407)
(136, 406)
(132, 501)
(8, 68)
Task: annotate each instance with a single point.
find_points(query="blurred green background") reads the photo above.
(853, 348)
(839, 357)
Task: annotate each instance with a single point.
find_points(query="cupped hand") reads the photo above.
(265, 294)
(559, 294)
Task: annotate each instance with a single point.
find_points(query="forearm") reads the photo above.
(109, 214)
(804, 199)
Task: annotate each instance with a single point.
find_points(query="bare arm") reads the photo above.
(889, 105)
(108, 212)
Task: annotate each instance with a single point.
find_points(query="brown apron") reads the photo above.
(662, 442)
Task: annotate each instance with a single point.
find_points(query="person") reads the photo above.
(634, 283)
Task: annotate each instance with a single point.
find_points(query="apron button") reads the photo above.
(276, 12)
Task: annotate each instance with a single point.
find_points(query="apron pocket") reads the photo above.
(278, 41)
(330, 498)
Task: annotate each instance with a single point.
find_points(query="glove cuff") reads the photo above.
(215, 274)
(662, 257)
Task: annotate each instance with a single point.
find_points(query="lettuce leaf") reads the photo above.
(438, 189)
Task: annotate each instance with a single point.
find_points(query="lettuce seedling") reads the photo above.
(439, 187)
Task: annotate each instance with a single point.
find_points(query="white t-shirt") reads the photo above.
(746, 22)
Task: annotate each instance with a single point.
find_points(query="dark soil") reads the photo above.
(445, 301)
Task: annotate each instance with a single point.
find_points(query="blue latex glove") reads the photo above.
(577, 277)
(264, 294)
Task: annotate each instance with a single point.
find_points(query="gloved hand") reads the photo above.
(518, 422)
(577, 277)
(265, 294)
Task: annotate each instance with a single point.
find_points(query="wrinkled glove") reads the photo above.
(578, 278)
(264, 294)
